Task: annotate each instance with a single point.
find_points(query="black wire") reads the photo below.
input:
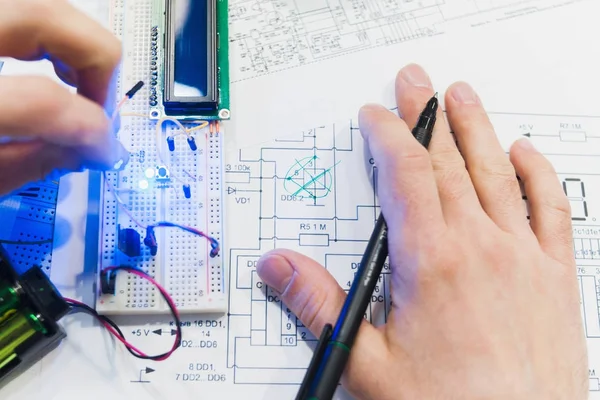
(93, 312)
(115, 326)
(173, 313)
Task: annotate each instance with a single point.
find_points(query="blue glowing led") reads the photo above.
(118, 164)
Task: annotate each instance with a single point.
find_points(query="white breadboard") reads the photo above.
(182, 265)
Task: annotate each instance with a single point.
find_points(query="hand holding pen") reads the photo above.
(332, 353)
(484, 300)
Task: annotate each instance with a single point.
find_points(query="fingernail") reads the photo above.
(463, 93)
(115, 160)
(122, 157)
(415, 75)
(526, 144)
(120, 154)
(275, 271)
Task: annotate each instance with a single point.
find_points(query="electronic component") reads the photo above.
(187, 191)
(171, 143)
(130, 242)
(30, 307)
(189, 61)
(108, 282)
(150, 240)
(162, 174)
(136, 88)
(192, 143)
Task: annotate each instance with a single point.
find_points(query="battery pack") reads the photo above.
(30, 308)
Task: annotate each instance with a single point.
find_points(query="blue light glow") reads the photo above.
(149, 173)
(118, 164)
(143, 184)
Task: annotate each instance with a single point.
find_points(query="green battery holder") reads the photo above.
(30, 308)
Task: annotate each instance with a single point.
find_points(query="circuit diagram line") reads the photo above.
(273, 35)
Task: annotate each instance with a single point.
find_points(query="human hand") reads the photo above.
(485, 302)
(46, 128)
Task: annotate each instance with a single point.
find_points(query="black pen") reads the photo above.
(329, 361)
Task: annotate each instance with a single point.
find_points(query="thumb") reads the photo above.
(316, 298)
(306, 288)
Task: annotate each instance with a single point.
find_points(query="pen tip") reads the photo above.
(435, 95)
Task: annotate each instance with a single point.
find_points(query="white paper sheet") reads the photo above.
(535, 72)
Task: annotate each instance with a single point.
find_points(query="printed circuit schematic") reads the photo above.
(273, 35)
(315, 193)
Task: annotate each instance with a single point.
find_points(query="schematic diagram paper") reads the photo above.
(310, 190)
(275, 35)
(313, 192)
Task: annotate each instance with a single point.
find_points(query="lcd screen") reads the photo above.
(190, 49)
(190, 56)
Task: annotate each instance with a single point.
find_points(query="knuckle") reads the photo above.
(416, 158)
(497, 168)
(442, 265)
(558, 204)
(311, 310)
(502, 253)
(113, 51)
(454, 183)
(501, 172)
(447, 269)
(446, 155)
(304, 302)
(394, 158)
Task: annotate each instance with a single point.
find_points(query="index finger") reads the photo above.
(30, 29)
(406, 182)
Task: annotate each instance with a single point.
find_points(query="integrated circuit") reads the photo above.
(189, 74)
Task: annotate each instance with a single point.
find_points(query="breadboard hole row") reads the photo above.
(41, 214)
(25, 256)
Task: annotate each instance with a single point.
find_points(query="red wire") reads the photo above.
(168, 298)
(111, 330)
